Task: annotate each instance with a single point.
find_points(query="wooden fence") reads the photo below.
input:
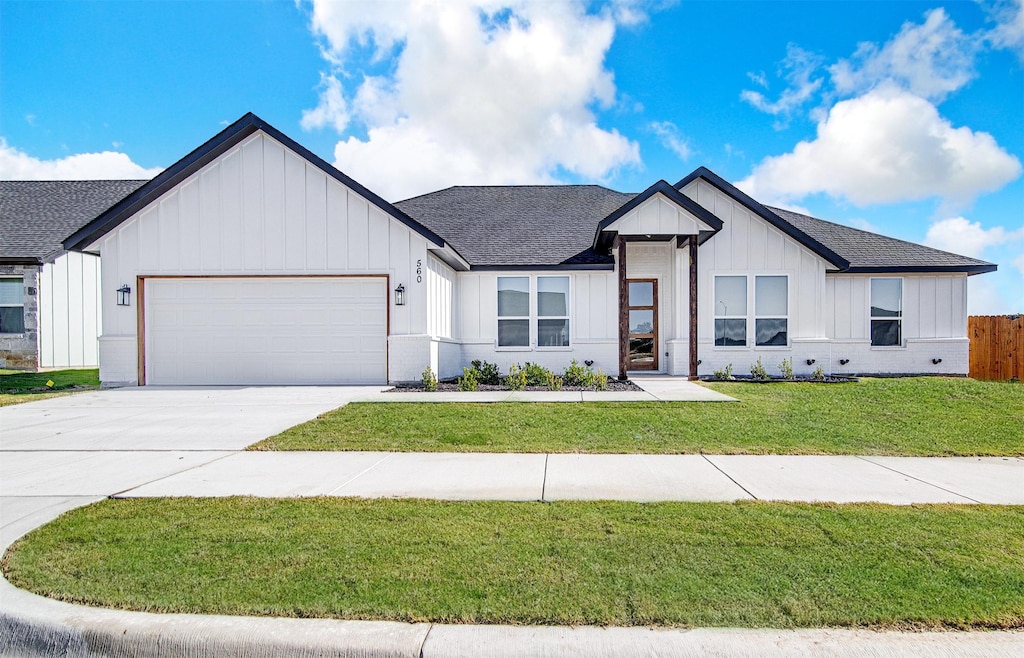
(997, 346)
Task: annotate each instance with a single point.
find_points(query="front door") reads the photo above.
(642, 315)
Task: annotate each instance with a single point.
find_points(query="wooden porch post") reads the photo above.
(693, 307)
(623, 312)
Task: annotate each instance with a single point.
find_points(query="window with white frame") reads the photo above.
(513, 311)
(730, 311)
(770, 310)
(542, 321)
(886, 312)
(12, 305)
(552, 311)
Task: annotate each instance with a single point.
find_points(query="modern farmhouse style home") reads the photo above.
(253, 261)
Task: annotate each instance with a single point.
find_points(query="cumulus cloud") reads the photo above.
(478, 91)
(884, 147)
(962, 236)
(1009, 30)
(798, 69)
(332, 110)
(931, 60)
(670, 137)
(18, 165)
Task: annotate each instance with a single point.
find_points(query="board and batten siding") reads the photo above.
(258, 209)
(69, 312)
(934, 306)
(657, 216)
(440, 283)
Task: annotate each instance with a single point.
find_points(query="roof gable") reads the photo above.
(208, 152)
(689, 207)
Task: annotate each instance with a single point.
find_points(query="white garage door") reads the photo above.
(266, 330)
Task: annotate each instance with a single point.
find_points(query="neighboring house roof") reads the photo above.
(870, 252)
(211, 150)
(36, 216)
(520, 226)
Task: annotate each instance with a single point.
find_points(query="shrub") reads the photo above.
(553, 382)
(818, 375)
(516, 379)
(429, 380)
(725, 373)
(536, 374)
(468, 381)
(786, 368)
(758, 372)
(486, 372)
(600, 381)
(577, 375)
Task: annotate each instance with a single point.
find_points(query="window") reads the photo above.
(886, 312)
(552, 311)
(771, 311)
(730, 311)
(545, 320)
(513, 311)
(12, 306)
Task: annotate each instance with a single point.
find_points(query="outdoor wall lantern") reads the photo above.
(400, 295)
(124, 296)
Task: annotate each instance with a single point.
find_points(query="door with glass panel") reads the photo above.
(642, 316)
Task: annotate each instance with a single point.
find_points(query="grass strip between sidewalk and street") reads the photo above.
(919, 416)
(17, 386)
(749, 564)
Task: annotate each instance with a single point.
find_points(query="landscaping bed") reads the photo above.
(748, 564)
(453, 386)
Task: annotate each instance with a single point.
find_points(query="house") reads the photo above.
(253, 261)
(49, 315)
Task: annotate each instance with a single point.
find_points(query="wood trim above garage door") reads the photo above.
(141, 300)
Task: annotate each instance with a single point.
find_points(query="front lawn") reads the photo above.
(928, 416)
(17, 386)
(750, 564)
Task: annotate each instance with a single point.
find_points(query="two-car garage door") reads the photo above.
(265, 330)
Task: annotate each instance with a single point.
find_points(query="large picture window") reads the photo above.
(886, 312)
(12, 306)
(770, 310)
(730, 311)
(524, 320)
(513, 311)
(552, 311)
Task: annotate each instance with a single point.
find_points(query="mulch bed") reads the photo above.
(453, 387)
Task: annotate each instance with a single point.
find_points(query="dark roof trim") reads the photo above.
(908, 269)
(208, 152)
(677, 197)
(17, 260)
(765, 214)
(545, 268)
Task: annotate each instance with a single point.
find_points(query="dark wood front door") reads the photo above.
(642, 328)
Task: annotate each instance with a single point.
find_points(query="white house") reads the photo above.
(49, 297)
(253, 261)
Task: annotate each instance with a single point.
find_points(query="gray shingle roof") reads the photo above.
(870, 251)
(35, 216)
(518, 225)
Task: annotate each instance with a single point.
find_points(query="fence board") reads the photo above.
(997, 346)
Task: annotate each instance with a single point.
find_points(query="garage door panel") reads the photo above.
(273, 330)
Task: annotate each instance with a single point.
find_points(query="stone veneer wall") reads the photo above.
(21, 351)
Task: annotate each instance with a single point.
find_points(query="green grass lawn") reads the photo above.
(749, 564)
(17, 386)
(905, 416)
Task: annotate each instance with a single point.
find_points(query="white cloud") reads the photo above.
(798, 69)
(1009, 30)
(930, 60)
(18, 165)
(962, 236)
(332, 110)
(670, 137)
(1018, 262)
(883, 147)
(479, 91)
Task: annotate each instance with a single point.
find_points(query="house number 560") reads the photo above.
(419, 271)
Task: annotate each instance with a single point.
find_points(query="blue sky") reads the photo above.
(905, 118)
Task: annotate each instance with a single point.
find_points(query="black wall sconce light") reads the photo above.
(843, 362)
(124, 296)
(936, 361)
(400, 295)
(810, 362)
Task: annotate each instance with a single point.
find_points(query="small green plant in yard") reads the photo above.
(516, 378)
(486, 372)
(758, 371)
(786, 368)
(724, 373)
(468, 381)
(429, 380)
(576, 375)
(553, 382)
(599, 381)
(536, 374)
(818, 375)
